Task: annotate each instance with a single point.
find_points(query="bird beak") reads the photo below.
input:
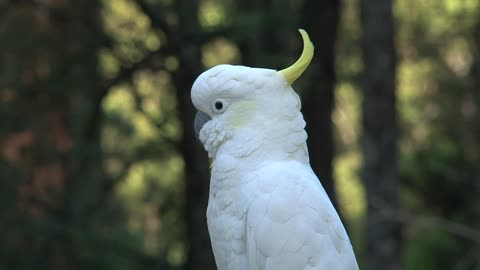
(200, 119)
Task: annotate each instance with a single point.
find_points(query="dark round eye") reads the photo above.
(218, 105)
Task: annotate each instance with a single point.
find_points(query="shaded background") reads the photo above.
(99, 167)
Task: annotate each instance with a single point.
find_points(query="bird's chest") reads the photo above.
(226, 216)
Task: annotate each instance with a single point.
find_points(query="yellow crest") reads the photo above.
(294, 71)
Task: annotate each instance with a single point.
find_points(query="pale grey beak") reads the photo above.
(200, 119)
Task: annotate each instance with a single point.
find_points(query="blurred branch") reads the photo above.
(150, 150)
(123, 75)
(127, 72)
(158, 123)
(212, 34)
(107, 187)
(404, 217)
(468, 260)
(444, 224)
(156, 19)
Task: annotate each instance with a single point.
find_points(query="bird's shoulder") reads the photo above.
(280, 176)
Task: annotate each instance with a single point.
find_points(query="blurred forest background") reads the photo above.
(99, 167)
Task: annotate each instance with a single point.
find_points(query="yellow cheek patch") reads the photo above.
(241, 113)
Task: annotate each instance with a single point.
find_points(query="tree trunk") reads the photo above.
(197, 175)
(321, 20)
(476, 129)
(379, 135)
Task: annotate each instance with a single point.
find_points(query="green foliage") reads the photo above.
(433, 250)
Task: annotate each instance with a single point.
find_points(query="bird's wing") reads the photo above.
(292, 224)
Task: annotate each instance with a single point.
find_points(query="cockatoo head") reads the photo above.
(249, 104)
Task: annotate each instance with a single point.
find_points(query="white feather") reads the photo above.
(267, 210)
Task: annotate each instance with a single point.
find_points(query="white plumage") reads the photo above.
(267, 210)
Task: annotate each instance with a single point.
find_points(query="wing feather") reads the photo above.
(295, 226)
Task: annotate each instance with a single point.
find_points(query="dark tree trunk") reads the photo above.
(379, 135)
(264, 43)
(321, 20)
(476, 128)
(197, 175)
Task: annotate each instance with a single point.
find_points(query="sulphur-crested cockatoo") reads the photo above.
(266, 210)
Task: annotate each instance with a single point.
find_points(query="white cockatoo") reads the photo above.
(267, 209)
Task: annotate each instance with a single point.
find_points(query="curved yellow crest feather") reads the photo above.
(294, 71)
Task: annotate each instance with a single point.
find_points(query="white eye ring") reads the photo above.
(219, 106)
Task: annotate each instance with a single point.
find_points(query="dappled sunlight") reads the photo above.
(109, 64)
(132, 30)
(413, 87)
(348, 159)
(148, 190)
(212, 13)
(459, 57)
(143, 120)
(346, 116)
(146, 185)
(220, 51)
(347, 120)
(350, 190)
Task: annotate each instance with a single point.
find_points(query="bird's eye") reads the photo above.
(218, 106)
